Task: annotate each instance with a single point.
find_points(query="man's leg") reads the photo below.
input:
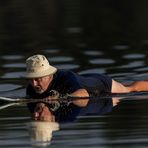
(119, 88)
(138, 86)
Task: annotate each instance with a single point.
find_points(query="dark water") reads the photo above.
(125, 126)
(106, 37)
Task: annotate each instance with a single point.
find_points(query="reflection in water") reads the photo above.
(41, 132)
(3, 106)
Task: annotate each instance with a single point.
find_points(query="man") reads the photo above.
(43, 78)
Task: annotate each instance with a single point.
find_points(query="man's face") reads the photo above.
(41, 84)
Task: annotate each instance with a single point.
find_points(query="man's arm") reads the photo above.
(80, 93)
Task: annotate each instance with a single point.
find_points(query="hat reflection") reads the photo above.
(41, 132)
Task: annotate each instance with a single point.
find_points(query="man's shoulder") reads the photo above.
(63, 72)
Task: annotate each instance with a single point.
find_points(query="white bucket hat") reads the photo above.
(38, 66)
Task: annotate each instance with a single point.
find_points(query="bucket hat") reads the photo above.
(38, 66)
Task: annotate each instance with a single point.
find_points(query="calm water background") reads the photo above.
(107, 37)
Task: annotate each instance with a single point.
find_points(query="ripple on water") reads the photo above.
(51, 51)
(14, 65)
(95, 70)
(61, 59)
(102, 61)
(13, 75)
(67, 66)
(124, 76)
(74, 29)
(12, 57)
(132, 64)
(8, 87)
(120, 47)
(142, 76)
(93, 53)
(134, 56)
(143, 69)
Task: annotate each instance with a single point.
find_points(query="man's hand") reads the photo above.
(53, 100)
(53, 97)
(42, 113)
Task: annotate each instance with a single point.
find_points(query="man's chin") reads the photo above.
(39, 91)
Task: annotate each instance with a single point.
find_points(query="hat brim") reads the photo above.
(47, 72)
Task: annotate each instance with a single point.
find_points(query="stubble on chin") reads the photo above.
(39, 91)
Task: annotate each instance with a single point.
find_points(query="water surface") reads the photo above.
(125, 126)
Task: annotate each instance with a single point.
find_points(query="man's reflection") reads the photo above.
(66, 111)
(46, 119)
